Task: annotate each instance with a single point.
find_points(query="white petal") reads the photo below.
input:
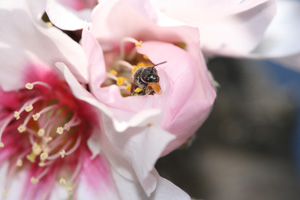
(282, 37)
(94, 143)
(65, 17)
(139, 146)
(25, 41)
(165, 190)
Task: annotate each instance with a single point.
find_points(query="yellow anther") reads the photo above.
(113, 72)
(62, 181)
(21, 128)
(141, 64)
(70, 190)
(31, 157)
(134, 68)
(42, 164)
(36, 116)
(17, 115)
(128, 88)
(34, 180)
(121, 80)
(5, 192)
(59, 130)
(139, 44)
(28, 108)
(44, 156)
(1, 144)
(36, 149)
(48, 139)
(29, 86)
(49, 24)
(41, 132)
(145, 57)
(19, 163)
(137, 90)
(62, 153)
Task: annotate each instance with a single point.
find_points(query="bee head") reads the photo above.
(149, 74)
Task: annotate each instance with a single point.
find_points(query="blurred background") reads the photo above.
(249, 147)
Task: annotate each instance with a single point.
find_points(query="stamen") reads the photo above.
(62, 153)
(70, 190)
(108, 75)
(34, 180)
(59, 130)
(48, 139)
(21, 128)
(5, 192)
(3, 125)
(74, 147)
(122, 46)
(42, 164)
(62, 181)
(128, 88)
(36, 149)
(36, 116)
(30, 86)
(121, 80)
(1, 144)
(44, 156)
(17, 115)
(31, 157)
(29, 108)
(124, 63)
(19, 163)
(113, 72)
(41, 132)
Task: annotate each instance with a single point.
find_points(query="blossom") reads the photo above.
(186, 94)
(260, 29)
(69, 14)
(53, 142)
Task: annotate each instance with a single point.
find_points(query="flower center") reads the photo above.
(132, 72)
(44, 133)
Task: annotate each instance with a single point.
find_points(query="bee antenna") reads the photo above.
(158, 64)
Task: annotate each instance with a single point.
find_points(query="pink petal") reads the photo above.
(191, 91)
(96, 180)
(47, 44)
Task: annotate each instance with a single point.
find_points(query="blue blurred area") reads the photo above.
(289, 79)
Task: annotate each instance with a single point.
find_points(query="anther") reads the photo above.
(62, 181)
(42, 164)
(36, 116)
(19, 163)
(113, 72)
(1, 144)
(48, 139)
(29, 86)
(21, 128)
(62, 153)
(31, 157)
(5, 192)
(36, 149)
(44, 156)
(41, 132)
(17, 115)
(28, 108)
(121, 80)
(59, 130)
(70, 190)
(128, 88)
(34, 180)
(139, 44)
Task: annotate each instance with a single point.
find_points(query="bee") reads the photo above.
(145, 81)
